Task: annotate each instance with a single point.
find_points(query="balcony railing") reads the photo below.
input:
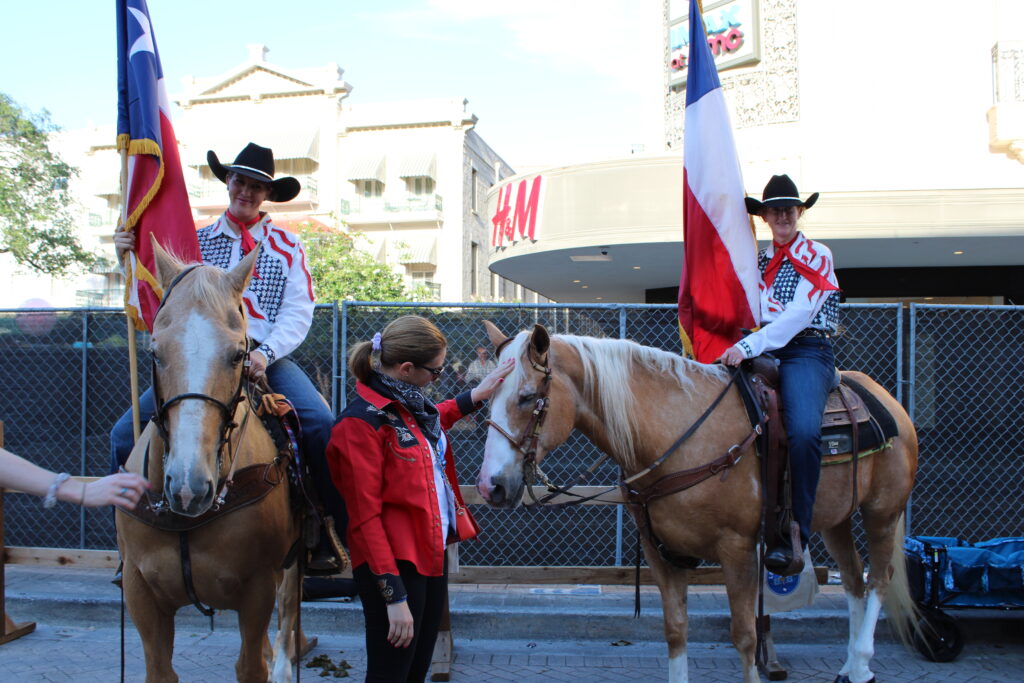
(99, 297)
(407, 204)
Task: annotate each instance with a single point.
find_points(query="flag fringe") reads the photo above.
(687, 344)
(145, 147)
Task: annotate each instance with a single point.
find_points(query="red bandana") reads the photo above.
(817, 280)
(248, 243)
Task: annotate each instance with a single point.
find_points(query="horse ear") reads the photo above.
(540, 340)
(242, 273)
(167, 267)
(496, 336)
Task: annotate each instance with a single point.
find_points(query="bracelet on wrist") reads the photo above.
(51, 493)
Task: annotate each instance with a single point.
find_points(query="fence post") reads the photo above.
(11, 630)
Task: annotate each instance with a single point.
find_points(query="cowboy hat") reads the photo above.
(780, 191)
(257, 163)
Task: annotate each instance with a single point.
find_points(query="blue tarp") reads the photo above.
(985, 574)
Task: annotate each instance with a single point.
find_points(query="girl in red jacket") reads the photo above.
(391, 460)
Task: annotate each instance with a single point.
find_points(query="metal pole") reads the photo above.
(342, 375)
(911, 385)
(82, 417)
(334, 358)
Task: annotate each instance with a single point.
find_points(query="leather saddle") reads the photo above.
(854, 423)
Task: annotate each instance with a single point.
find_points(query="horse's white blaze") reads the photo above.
(499, 456)
(678, 670)
(197, 359)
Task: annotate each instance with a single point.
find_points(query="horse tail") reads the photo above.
(904, 616)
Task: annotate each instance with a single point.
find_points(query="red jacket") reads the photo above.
(380, 462)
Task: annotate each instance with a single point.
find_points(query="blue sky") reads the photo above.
(552, 81)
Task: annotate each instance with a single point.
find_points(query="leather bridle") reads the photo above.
(526, 444)
(227, 410)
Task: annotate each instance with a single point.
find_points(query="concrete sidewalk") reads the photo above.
(502, 633)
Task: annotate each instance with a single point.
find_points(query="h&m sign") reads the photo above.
(516, 211)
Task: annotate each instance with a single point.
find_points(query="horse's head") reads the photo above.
(533, 412)
(199, 344)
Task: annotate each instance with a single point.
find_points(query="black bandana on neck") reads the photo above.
(413, 399)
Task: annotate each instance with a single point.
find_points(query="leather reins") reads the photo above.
(677, 481)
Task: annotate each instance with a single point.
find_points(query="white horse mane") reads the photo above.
(610, 360)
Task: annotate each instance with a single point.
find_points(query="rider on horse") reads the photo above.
(279, 303)
(800, 313)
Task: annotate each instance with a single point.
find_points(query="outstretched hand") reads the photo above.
(123, 489)
(489, 384)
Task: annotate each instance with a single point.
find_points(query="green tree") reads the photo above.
(36, 223)
(341, 271)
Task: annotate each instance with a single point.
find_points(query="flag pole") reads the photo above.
(133, 363)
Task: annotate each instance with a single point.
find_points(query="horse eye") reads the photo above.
(239, 357)
(527, 398)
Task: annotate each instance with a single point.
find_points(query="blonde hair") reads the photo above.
(411, 338)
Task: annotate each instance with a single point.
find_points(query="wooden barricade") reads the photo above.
(11, 629)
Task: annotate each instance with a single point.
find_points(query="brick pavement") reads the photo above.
(55, 653)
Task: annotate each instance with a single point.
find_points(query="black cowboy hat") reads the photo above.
(780, 191)
(257, 163)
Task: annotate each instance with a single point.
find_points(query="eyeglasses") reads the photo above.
(436, 372)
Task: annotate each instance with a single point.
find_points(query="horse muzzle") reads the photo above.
(189, 496)
(501, 490)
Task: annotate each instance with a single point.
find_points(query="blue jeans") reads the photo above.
(314, 416)
(806, 375)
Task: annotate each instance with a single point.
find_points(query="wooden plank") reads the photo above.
(11, 629)
(62, 557)
(487, 575)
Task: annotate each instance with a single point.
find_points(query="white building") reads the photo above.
(410, 176)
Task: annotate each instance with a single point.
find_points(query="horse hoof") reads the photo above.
(846, 679)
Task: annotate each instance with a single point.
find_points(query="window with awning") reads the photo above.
(366, 167)
(415, 250)
(419, 165)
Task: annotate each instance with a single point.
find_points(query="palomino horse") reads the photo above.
(633, 402)
(206, 435)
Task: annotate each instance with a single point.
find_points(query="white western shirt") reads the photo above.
(279, 299)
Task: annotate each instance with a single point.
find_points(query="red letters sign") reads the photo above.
(513, 224)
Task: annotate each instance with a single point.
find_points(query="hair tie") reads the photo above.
(375, 342)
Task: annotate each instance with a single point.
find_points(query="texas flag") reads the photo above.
(154, 200)
(718, 288)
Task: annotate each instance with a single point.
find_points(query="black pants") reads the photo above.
(428, 596)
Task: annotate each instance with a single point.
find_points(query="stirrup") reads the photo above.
(329, 556)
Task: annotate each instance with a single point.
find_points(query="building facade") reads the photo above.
(410, 177)
(908, 118)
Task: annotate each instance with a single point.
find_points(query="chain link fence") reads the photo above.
(64, 383)
(966, 400)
